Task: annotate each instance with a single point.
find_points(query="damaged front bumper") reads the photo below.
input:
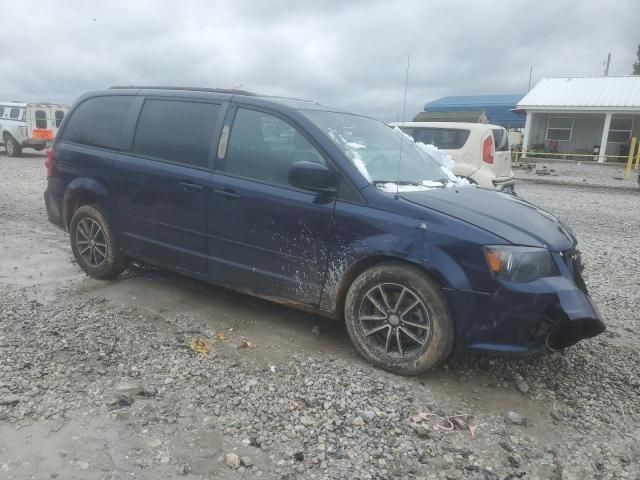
(553, 312)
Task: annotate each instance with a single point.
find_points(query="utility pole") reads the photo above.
(530, 74)
(606, 69)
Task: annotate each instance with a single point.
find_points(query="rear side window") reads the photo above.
(176, 131)
(100, 122)
(41, 119)
(59, 117)
(445, 138)
(14, 113)
(501, 139)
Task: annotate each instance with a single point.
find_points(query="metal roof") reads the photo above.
(498, 108)
(584, 93)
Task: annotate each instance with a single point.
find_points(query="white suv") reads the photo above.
(480, 152)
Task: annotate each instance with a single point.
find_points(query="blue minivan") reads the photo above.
(322, 210)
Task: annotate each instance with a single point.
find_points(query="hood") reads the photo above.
(509, 217)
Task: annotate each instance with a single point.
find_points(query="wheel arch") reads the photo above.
(85, 191)
(363, 264)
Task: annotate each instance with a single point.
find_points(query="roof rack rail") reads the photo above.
(190, 89)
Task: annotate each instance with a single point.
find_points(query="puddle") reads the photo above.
(73, 449)
(87, 447)
(39, 259)
(275, 331)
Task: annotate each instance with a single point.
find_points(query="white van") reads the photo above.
(480, 152)
(29, 125)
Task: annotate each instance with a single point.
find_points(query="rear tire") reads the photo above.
(94, 245)
(398, 319)
(12, 146)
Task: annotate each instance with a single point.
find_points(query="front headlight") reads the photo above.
(519, 264)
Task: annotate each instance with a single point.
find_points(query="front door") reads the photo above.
(265, 234)
(162, 185)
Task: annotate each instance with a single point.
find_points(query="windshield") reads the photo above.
(380, 153)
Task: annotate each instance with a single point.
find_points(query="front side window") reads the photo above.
(381, 154)
(262, 147)
(620, 130)
(100, 122)
(559, 128)
(59, 115)
(41, 119)
(444, 138)
(176, 131)
(14, 113)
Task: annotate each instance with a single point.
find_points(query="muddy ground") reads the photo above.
(100, 380)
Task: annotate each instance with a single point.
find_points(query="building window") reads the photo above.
(620, 130)
(560, 128)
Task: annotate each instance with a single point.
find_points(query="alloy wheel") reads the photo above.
(91, 242)
(394, 320)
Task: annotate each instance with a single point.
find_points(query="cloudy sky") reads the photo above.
(350, 54)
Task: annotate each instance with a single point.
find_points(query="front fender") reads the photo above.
(348, 262)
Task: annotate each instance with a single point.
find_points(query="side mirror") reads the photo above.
(313, 176)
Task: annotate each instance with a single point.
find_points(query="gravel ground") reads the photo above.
(144, 376)
(579, 173)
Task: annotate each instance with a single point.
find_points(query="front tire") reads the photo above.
(12, 146)
(94, 245)
(398, 319)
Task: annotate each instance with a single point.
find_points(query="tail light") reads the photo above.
(49, 162)
(487, 150)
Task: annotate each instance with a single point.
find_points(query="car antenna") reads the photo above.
(404, 107)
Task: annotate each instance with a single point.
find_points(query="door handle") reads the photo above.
(190, 187)
(226, 193)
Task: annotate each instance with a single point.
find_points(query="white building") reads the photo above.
(579, 114)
